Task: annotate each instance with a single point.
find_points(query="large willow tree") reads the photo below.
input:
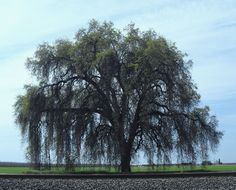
(108, 95)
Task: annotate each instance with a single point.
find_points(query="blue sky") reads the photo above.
(204, 29)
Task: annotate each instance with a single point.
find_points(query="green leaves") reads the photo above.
(114, 94)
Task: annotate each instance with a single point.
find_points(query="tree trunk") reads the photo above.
(125, 160)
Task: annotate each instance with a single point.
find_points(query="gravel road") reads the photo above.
(190, 183)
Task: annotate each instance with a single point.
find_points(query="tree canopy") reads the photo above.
(108, 95)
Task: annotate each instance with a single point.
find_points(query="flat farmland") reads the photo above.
(106, 169)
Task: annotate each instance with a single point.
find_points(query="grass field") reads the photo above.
(135, 169)
(175, 168)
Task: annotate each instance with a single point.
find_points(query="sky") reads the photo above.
(204, 29)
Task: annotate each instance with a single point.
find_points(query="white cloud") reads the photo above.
(216, 81)
(13, 76)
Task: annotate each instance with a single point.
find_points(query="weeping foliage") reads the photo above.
(108, 95)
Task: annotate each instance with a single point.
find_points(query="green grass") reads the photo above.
(135, 169)
(14, 170)
(55, 170)
(210, 168)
